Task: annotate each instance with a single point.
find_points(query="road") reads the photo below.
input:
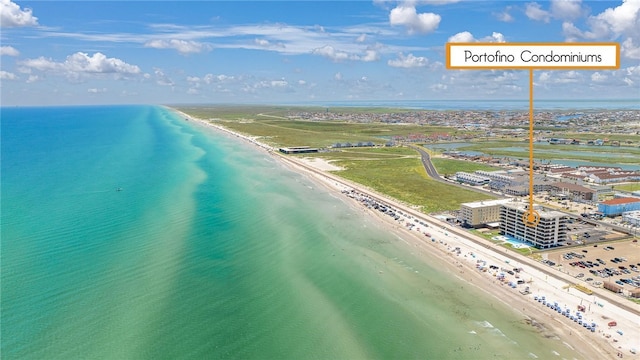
(431, 171)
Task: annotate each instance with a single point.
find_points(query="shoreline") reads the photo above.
(462, 263)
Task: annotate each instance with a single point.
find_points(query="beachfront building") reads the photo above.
(471, 179)
(479, 213)
(550, 232)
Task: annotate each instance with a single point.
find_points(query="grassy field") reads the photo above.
(279, 132)
(398, 172)
(275, 128)
(450, 166)
(628, 187)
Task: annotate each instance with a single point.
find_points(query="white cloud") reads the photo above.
(184, 47)
(96, 90)
(633, 71)
(162, 79)
(338, 76)
(438, 87)
(434, 2)
(279, 83)
(534, 12)
(4, 75)
(8, 51)
(330, 52)
(630, 49)
(268, 44)
(560, 77)
(12, 16)
(613, 23)
(362, 38)
(261, 42)
(32, 79)
(566, 9)
(466, 36)
(409, 61)
(82, 64)
(462, 37)
(407, 16)
(505, 15)
(620, 20)
(211, 78)
(597, 77)
(223, 77)
(370, 55)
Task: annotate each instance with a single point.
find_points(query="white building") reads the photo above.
(472, 179)
(550, 232)
(479, 213)
(631, 217)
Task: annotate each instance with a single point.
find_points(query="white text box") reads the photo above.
(533, 55)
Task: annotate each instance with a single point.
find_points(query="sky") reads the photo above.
(290, 52)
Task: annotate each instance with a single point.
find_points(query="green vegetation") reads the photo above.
(402, 177)
(275, 128)
(487, 235)
(628, 187)
(450, 166)
(279, 132)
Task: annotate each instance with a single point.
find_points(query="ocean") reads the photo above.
(131, 233)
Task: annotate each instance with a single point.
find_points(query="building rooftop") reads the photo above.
(572, 187)
(479, 204)
(547, 214)
(619, 201)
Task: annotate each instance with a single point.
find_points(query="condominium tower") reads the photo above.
(550, 232)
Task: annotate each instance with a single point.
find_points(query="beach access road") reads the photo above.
(433, 173)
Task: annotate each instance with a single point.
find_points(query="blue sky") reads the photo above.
(168, 52)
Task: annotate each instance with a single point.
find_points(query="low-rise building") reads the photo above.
(471, 179)
(575, 192)
(631, 217)
(617, 206)
(550, 232)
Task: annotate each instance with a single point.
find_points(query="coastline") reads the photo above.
(462, 263)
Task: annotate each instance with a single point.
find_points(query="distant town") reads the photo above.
(603, 122)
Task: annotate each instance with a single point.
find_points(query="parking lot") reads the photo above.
(615, 262)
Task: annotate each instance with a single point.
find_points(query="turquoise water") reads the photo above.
(211, 250)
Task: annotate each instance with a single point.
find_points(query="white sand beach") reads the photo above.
(463, 254)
